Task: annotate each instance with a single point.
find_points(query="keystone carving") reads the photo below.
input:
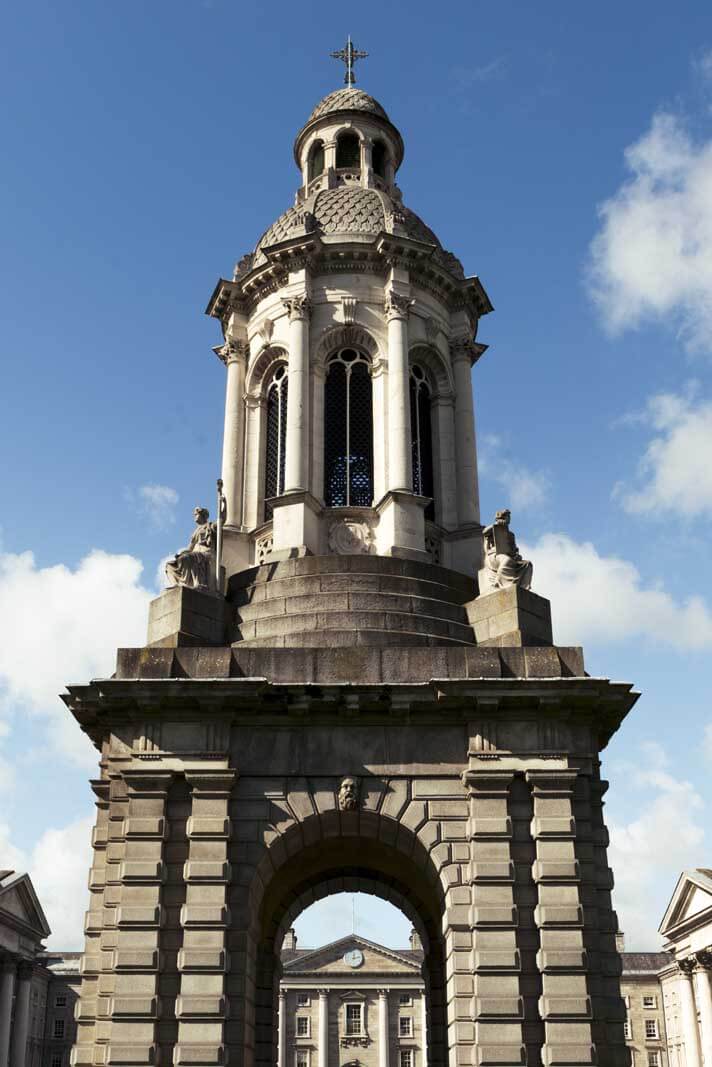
(348, 794)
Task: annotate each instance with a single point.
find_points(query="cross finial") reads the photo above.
(349, 55)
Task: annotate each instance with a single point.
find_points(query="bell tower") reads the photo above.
(349, 684)
(349, 338)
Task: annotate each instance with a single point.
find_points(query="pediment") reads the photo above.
(691, 899)
(20, 907)
(329, 959)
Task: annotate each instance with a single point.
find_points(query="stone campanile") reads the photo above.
(349, 684)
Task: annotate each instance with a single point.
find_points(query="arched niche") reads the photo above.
(438, 371)
(348, 336)
(259, 371)
(356, 852)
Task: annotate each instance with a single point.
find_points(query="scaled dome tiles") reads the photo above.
(352, 210)
(347, 100)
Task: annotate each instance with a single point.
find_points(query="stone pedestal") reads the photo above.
(511, 616)
(182, 616)
(296, 529)
(401, 525)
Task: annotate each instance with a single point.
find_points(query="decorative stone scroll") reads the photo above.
(349, 537)
(503, 564)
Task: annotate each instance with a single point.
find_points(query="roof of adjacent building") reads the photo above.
(644, 962)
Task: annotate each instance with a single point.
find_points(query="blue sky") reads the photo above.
(563, 151)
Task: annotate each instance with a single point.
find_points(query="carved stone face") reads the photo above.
(200, 515)
(348, 794)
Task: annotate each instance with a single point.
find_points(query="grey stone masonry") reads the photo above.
(479, 815)
(510, 616)
(184, 616)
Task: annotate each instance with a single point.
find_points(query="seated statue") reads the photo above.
(503, 564)
(194, 566)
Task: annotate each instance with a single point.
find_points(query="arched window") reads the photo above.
(422, 436)
(348, 150)
(276, 436)
(378, 158)
(348, 432)
(316, 160)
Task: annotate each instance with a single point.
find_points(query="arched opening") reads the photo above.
(361, 864)
(316, 160)
(275, 437)
(422, 436)
(348, 151)
(348, 431)
(352, 969)
(379, 155)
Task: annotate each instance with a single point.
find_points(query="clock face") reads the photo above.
(354, 957)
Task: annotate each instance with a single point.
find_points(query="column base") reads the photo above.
(401, 525)
(296, 526)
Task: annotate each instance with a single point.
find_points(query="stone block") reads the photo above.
(182, 616)
(510, 616)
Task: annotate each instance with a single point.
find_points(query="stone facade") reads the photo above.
(687, 980)
(646, 1034)
(352, 1002)
(327, 719)
(38, 989)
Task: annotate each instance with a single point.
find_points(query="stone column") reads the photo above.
(282, 1030)
(8, 966)
(383, 1035)
(296, 463)
(468, 501)
(323, 1040)
(318, 378)
(201, 1006)
(252, 514)
(497, 1005)
(424, 1026)
(234, 355)
(21, 1024)
(400, 466)
(133, 914)
(446, 478)
(703, 982)
(564, 1005)
(688, 1010)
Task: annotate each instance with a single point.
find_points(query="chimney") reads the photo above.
(290, 940)
(620, 941)
(415, 943)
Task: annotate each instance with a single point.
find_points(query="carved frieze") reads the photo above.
(351, 537)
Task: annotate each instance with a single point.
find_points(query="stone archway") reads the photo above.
(363, 856)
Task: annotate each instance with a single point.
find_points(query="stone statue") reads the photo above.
(503, 564)
(194, 566)
(348, 794)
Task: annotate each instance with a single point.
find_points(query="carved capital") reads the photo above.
(461, 348)
(233, 351)
(397, 306)
(688, 966)
(8, 964)
(298, 307)
(25, 970)
(704, 959)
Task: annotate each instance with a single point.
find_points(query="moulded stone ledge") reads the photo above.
(131, 1055)
(187, 1055)
(569, 1055)
(136, 1007)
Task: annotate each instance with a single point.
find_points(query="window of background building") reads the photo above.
(650, 1002)
(58, 1029)
(60, 1001)
(405, 1000)
(651, 1028)
(406, 1058)
(628, 1030)
(405, 1026)
(303, 1000)
(56, 1060)
(302, 1058)
(354, 1019)
(302, 1026)
(653, 1058)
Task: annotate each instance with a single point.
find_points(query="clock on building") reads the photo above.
(354, 957)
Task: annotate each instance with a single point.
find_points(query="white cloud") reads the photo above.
(521, 488)
(652, 256)
(646, 874)
(59, 868)
(675, 471)
(60, 625)
(157, 502)
(603, 598)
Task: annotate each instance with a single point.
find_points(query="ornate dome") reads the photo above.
(348, 100)
(347, 210)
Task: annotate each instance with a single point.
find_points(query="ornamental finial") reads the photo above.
(349, 55)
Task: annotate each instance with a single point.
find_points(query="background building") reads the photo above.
(352, 1002)
(645, 1030)
(38, 989)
